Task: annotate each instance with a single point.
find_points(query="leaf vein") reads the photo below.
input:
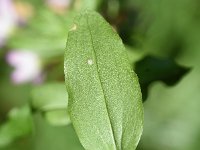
(101, 82)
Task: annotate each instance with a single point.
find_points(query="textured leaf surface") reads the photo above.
(104, 94)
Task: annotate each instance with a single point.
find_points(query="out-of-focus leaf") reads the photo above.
(19, 124)
(50, 96)
(53, 137)
(105, 99)
(134, 55)
(168, 33)
(52, 100)
(45, 28)
(172, 120)
(151, 69)
(57, 117)
(86, 4)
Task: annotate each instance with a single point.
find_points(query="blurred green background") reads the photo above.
(162, 38)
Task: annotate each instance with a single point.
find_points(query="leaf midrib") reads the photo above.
(95, 58)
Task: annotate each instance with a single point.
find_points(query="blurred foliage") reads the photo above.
(172, 120)
(156, 69)
(46, 28)
(52, 100)
(162, 38)
(19, 123)
(51, 96)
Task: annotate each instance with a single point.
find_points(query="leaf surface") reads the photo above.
(105, 103)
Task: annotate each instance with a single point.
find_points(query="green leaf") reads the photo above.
(46, 27)
(87, 4)
(58, 117)
(52, 99)
(151, 69)
(18, 125)
(105, 103)
(50, 96)
(49, 137)
(172, 115)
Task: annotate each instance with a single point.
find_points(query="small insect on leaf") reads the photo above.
(105, 103)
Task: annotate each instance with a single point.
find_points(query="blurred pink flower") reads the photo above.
(58, 3)
(58, 6)
(27, 67)
(8, 18)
